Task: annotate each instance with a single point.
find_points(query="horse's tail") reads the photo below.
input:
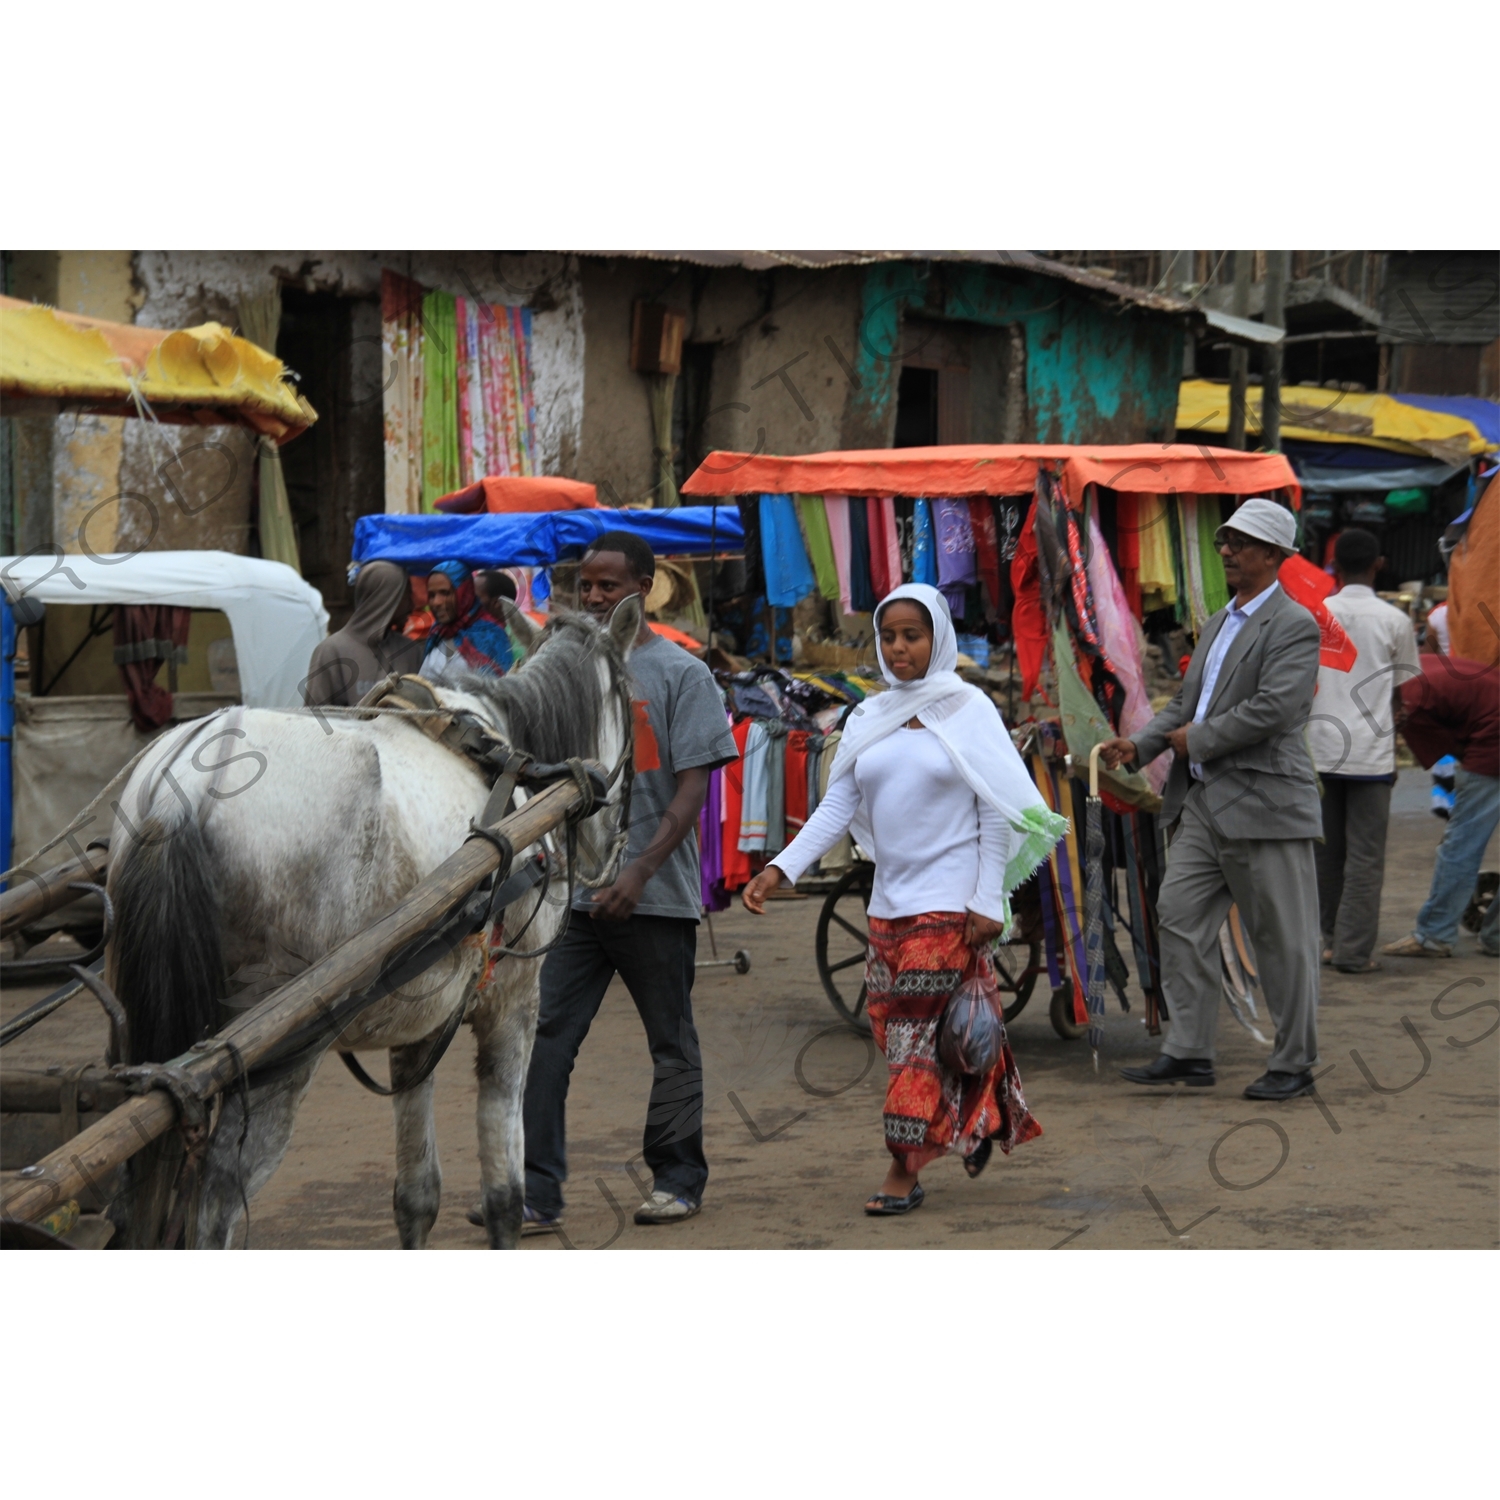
(167, 954)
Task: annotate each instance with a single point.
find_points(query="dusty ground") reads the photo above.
(1401, 1153)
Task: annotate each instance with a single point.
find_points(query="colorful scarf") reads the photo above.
(478, 637)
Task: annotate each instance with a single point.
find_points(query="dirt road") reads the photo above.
(1401, 1151)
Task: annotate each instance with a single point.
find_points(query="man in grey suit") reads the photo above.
(1243, 800)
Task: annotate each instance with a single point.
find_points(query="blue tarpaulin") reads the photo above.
(527, 540)
(1344, 468)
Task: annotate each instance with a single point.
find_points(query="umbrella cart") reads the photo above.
(1053, 558)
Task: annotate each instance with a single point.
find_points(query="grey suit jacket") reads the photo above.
(1258, 776)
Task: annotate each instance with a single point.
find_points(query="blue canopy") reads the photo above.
(1485, 415)
(536, 540)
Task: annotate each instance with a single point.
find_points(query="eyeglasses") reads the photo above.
(1233, 541)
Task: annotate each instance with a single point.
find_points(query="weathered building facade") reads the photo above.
(782, 353)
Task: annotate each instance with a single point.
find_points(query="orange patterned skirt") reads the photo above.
(914, 965)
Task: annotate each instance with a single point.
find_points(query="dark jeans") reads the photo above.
(1351, 866)
(654, 956)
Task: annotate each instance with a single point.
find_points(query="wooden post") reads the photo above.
(33, 894)
(214, 1065)
(1239, 355)
(1277, 263)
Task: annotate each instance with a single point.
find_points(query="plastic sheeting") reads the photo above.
(537, 541)
(1485, 415)
(519, 492)
(998, 469)
(277, 618)
(185, 374)
(1314, 414)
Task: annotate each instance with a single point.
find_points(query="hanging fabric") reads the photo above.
(880, 567)
(1210, 564)
(795, 803)
(146, 635)
(754, 808)
(440, 470)
(836, 512)
(1028, 620)
(924, 545)
(711, 845)
(1192, 561)
(861, 585)
(1158, 578)
(885, 507)
(986, 551)
(956, 563)
(735, 861)
(789, 574)
(1128, 548)
(819, 541)
(401, 348)
(776, 737)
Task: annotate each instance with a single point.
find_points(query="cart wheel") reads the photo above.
(842, 940)
(741, 961)
(1016, 968)
(1062, 1014)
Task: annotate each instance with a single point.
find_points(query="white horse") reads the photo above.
(244, 852)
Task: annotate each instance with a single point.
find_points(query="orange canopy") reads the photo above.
(518, 492)
(997, 469)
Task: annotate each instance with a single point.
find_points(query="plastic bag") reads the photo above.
(972, 1032)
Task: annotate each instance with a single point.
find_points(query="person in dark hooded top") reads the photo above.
(352, 660)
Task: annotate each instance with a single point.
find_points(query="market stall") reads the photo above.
(1056, 557)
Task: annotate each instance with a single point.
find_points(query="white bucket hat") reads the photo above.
(1264, 520)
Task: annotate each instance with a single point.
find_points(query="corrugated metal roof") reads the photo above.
(822, 260)
(1243, 329)
(1441, 297)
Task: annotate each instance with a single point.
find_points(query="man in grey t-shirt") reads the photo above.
(644, 927)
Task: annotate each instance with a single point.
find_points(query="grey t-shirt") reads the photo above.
(679, 724)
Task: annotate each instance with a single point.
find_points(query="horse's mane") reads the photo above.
(550, 707)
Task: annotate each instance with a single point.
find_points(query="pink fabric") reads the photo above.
(892, 538)
(837, 507)
(1119, 636)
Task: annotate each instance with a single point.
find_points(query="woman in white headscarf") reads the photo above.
(927, 778)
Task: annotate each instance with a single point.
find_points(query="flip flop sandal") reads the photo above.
(884, 1206)
(976, 1161)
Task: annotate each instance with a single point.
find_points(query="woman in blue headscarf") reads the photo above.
(465, 637)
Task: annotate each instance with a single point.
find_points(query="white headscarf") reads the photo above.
(969, 728)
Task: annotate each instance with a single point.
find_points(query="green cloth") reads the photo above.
(819, 544)
(440, 475)
(1084, 726)
(1184, 606)
(1215, 590)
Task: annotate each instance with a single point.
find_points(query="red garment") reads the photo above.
(736, 860)
(795, 801)
(1128, 549)
(146, 635)
(1028, 627)
(1310, 586)
(880, 550)
(914, 965)
(1453, 708)
(986, 550)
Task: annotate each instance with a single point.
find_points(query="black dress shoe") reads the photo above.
(1195, 1072)
(1279, 1086)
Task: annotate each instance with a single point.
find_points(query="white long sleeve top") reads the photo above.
(937, 847)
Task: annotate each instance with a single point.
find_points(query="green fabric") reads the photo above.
(1411, 502)
(1215, 589)
(1084, 726)
(440, 474)
(1040, 829)
(819, 544)
(1184, 607)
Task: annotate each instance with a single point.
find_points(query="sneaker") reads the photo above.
(1415, 947)
(664, 1208)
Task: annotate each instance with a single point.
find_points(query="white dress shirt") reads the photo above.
(1234, 622)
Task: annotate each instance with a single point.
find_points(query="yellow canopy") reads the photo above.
(204, 374)
(1316, 415)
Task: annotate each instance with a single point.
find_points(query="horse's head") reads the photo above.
(571, 697)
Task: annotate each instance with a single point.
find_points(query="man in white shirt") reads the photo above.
(1352, 736)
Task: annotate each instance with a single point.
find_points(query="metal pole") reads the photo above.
(1278, 263)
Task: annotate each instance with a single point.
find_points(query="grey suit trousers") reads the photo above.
(1274, 883)
(1351, 866)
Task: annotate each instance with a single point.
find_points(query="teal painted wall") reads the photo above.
(1095, 372)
